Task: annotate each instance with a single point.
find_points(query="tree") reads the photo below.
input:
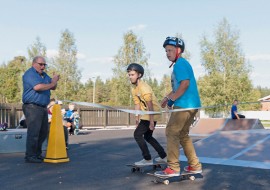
(227, 72)
(10, 81)
(65, 64)
(132, 51)
(186, 54)
(36, 49)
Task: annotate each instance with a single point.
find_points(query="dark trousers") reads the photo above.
(37, 128)
(66, 135)
(141, 134)
(240, 116)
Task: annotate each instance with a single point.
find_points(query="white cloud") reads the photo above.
(81, 56)
(51, 53)
(138, 27)
(100, 60)
(20, 52)
(259, 57)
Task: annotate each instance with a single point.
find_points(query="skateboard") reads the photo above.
(140, 168)
(183, 176)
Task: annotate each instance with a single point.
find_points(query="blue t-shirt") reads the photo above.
(69, 114)
(31, 78)
(182, 70)
(233, 109)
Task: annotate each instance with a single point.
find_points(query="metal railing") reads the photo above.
(90, 117)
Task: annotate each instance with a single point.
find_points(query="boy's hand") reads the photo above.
(164, 102)
(152, 126)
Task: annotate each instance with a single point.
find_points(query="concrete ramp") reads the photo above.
(247, 148)
(242, 124)
(207, 126)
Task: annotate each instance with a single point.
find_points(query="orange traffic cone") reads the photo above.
(56, 149)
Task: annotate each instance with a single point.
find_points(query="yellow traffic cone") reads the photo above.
(56, 149)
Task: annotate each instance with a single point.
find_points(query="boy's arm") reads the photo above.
(151, 116)
(180, 91)
(137, 117)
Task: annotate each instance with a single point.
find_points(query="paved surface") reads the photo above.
(97, 162)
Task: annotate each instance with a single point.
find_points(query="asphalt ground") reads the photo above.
(98, 161)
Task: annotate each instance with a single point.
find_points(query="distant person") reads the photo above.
(145, 99)
(22, 122)
(49, 107)
(69, 117)
(36, 96)
(234, 113)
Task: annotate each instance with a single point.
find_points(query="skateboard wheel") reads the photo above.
(166, 182)
(138, 169)
(192, 178)
(155, 167)
(141, 170)
(133, 170)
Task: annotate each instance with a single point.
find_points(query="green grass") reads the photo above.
(266, 123)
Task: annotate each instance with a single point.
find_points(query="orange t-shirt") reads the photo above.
(143, 93)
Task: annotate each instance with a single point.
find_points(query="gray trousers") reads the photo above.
(37, 128)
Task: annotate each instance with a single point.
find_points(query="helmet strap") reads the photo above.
(177, 55)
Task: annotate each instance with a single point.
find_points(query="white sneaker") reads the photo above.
(161, 160)
(144, 162)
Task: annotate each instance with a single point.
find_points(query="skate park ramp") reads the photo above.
(246, 148)
(242, 124)
(208, 126)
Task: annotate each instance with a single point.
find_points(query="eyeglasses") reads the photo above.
(42, 64)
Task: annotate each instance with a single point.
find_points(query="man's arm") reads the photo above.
(235, 113)
(42, 87)
(51, 86)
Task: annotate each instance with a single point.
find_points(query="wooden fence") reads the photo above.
(89, 117)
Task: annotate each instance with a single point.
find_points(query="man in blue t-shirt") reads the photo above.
(36, 96)
(184, 94)
(234, 113)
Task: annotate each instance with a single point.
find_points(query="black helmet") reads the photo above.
(176, 42)
(136, 67)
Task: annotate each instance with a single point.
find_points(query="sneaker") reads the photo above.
(32, 160)
(41, 157)
(161, 160)
(193, 170)
(144, 162)
(168, 172)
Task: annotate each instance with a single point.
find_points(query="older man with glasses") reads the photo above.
(36, 96)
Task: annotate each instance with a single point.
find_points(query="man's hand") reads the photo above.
(54, 81)
(55, 78)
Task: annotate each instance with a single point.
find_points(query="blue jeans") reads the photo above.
(37, 128)
(143, 133)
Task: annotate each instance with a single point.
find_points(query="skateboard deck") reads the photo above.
(140, 168)
(183, 176)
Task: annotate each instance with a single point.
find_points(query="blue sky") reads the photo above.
(98, 27)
